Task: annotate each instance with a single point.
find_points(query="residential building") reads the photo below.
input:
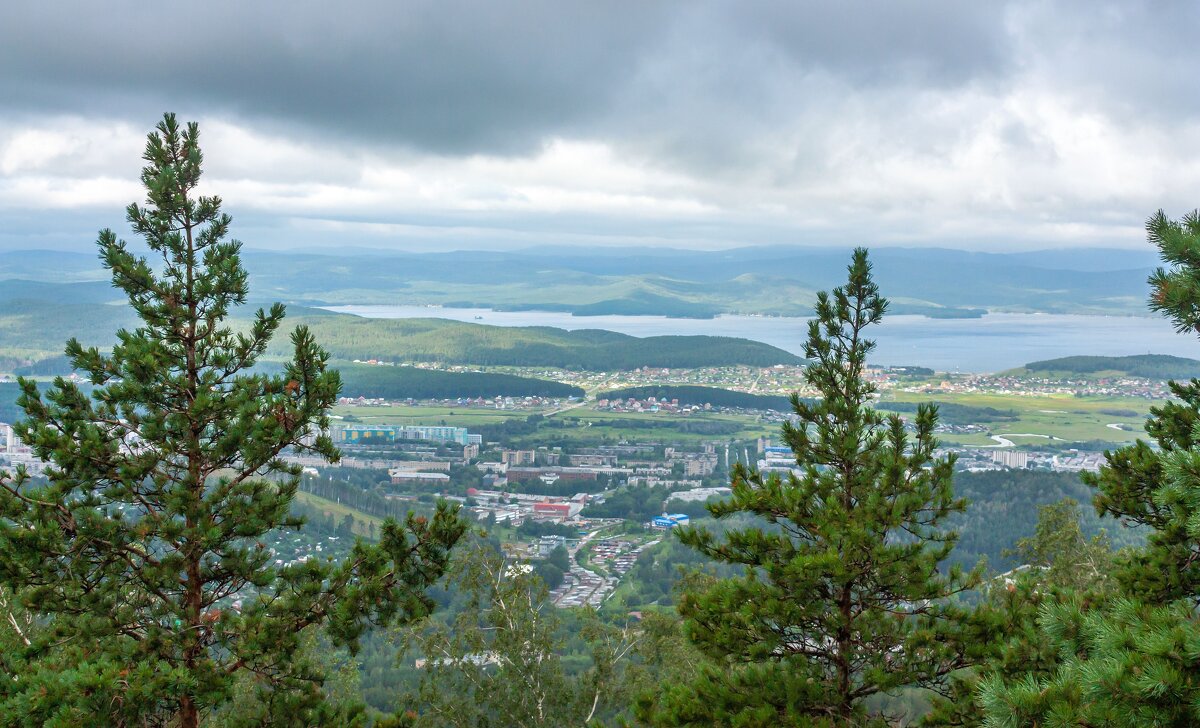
(518, 457)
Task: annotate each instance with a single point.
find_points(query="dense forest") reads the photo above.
(401, 382)
(51, 366)
(453, 342)
(9, 412)
(388, 382)
(35, 329)
(1149, 366)
(954, 414)
(1002, 507)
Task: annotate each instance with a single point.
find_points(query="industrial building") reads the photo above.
(404, 477)
(668, 521)
(556, 511)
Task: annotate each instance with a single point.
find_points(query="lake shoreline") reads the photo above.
(994, 342)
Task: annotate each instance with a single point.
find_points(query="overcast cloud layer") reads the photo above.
(697, 124)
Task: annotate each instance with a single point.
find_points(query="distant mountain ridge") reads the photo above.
(635, 281)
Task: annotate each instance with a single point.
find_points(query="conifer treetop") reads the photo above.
(843, 595)
(165, 480)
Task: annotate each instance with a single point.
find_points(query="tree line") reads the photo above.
(410, 382)
(1150, 366)
(452, 342)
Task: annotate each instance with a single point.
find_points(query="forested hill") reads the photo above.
(454, 342)
(1150, 366)
(33, 331)
(692, 395)
(9, 411)
(1002, 507)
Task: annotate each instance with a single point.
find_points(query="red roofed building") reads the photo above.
(555, 511)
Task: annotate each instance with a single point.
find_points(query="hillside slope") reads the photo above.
(453, 342)
(1149, 366)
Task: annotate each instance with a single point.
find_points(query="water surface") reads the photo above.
(992, 343)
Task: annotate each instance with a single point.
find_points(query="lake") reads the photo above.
(992, 343)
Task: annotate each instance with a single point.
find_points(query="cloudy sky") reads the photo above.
(483, 124)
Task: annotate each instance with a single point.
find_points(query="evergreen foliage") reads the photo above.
(163, 483)
(1059, 548)
(1059, 566)
(1133, 660)
(842, 599)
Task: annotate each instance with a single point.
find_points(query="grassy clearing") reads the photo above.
(422, 415)
(581, 424)
(1066, 417)
(362, 521)
(591, 424)
(965, 439)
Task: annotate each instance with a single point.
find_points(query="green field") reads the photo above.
(578, 423)
(1061, 417)
(362, 520)
(422, 415)
(965, 439)
(1065, 417)
(595, 425)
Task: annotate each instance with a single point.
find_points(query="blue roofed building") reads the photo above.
(669, 520)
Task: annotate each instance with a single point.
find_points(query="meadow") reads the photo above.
(1062, 417)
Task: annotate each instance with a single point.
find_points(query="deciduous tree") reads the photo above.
(500, 663)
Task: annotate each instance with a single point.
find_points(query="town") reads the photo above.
(605, 490)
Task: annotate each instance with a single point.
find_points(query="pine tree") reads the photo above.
(1134, 659)
(842, 598)
(1002, 635)
(165, 482)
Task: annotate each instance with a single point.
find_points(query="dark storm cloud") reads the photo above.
(444, 76)
(477, 76)
(695, 122)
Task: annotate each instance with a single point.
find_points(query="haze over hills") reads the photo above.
(46, 297)
(688, 283)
